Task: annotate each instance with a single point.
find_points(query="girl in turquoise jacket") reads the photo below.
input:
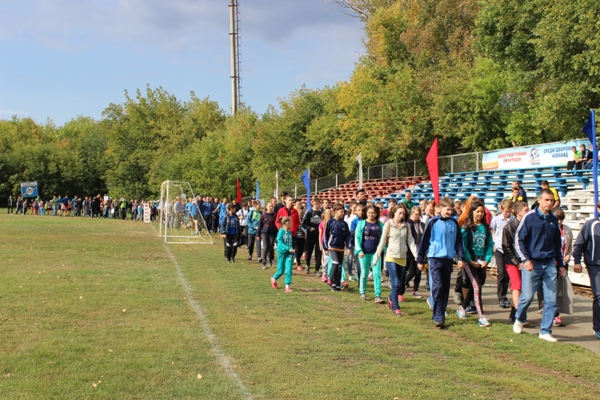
(366, 241)
(285, 254)
(479, 250)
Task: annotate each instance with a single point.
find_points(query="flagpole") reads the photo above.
(308, 191)
(360, 171)
(595, 161)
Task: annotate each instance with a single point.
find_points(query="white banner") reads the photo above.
(146, 212)
(543, 156)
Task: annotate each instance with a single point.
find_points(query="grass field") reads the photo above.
(98, 309)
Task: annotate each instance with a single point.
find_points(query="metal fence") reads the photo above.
(447, 164)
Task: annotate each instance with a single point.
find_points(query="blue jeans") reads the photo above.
(397, 273)
(543, 273)
(594, 273)
(350, 261)
(440, 272)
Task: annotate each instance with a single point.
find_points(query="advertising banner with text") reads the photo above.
(543, 156)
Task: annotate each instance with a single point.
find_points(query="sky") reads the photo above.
(60, 59)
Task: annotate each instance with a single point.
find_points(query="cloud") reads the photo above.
(276, 21)
(171, 25)
(11, 112)
(73, 26)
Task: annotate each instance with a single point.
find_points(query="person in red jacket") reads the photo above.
(288, 211)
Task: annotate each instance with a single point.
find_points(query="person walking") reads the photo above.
(285, 254)
(538, 245)
(585, 245)
(497, 227)
(366, 246)
(337, 238)
(511, 261)
(266, 234)
(442, 242)
(252, 222)
(310, 223)
(10, 205)
(479, 249)
(230, 232)
(399, 241)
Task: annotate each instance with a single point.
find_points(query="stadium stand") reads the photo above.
(492, 187)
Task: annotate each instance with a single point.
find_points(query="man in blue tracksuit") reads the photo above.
(207, 208)
(441, 243)
(588, 245)
(539, 246)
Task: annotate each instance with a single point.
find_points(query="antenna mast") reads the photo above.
(236, 86)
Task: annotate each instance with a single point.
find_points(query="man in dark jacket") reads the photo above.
(310, 223)
(588, 245)
(538, 245)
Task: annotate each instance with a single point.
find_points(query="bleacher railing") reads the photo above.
(454, 163)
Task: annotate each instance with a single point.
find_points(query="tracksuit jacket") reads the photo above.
(252, 221)
(442, 240)
(538, 238)
(337, 235)
(588, 243)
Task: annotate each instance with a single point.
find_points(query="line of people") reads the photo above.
(91, 207)
(531, 249)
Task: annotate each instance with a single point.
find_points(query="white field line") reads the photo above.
(223, 360)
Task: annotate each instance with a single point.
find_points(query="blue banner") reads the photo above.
(257, 195)
(29, 189)
(306, 181)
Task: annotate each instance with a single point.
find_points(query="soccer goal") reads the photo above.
(180, 215)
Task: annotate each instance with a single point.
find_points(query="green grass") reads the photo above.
(86, 302)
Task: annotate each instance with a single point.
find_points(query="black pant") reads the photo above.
(413, 272)
(299, 249)
(502, 276)
(251, 242)
(312, 243)
(208, 221)
(231, 243)
(215, 223)
(268, 242)
(337, 259)
(479, 274)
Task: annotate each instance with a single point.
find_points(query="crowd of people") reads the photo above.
(360, 241)
(92, 207)
(531, 248)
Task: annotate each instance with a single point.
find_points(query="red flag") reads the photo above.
(239, 191)
(432, 166)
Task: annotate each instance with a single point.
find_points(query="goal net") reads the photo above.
(180, 214)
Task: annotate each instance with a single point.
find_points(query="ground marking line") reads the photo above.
(223, 360)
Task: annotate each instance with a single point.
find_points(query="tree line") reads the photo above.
(477, 74)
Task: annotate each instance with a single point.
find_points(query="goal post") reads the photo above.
(180, 215)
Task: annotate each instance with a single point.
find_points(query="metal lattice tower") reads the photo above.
(236, 63)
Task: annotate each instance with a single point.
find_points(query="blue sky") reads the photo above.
(64, 58)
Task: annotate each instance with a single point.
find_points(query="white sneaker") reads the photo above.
(548, 337)
(518, 327)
